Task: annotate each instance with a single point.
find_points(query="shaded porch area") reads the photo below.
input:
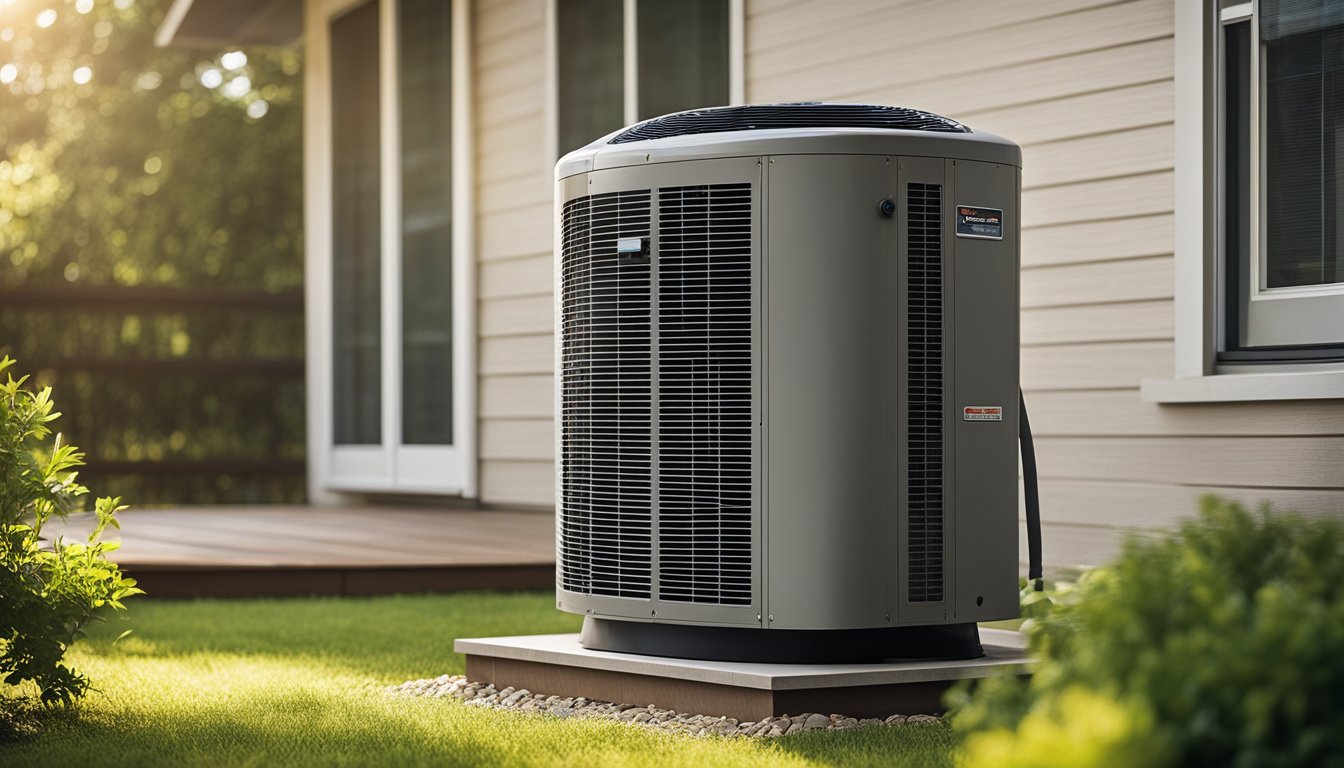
(290, 550)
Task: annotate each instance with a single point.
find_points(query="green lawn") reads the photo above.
(300, 682)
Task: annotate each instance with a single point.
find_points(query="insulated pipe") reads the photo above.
(1032, 493)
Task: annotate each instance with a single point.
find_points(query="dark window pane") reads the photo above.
(1304, 123)
(424, 32)
(357, 396)
(1236, 176)
(683, 55)
(590, 70)
(1283, 18)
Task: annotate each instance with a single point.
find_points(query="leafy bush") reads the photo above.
(1075, 729)
(49, 591)
(1222, 644)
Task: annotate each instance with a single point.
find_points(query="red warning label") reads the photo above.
(982, 413)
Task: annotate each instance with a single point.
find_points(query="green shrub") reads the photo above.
(49, 590)
(1223, 641)
(1075, 729)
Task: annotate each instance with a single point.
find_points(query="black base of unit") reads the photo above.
(783, 646)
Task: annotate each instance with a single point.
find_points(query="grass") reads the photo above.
(300, 683)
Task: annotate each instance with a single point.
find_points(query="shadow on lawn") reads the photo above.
(921, 746)
(390, 639)
(22, 717)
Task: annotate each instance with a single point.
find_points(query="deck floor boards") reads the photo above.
(295, 549)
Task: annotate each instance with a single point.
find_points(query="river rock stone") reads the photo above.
(478, 694)
(816, 722)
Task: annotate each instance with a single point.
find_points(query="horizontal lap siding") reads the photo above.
(1086, 88)
(513, 243)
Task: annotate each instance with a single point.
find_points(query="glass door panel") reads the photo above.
(356, 229)
(425, 94)
(400, 374)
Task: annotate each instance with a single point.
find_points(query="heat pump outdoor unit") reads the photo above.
(787, 384)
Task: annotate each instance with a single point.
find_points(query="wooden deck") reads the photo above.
(301, 550)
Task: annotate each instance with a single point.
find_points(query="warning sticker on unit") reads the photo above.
(982, 413)
(984, 223)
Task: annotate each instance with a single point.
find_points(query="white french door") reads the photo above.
(391, 401)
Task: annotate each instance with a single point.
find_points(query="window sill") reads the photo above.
(1245, 387)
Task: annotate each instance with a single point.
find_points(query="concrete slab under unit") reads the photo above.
(557, 664)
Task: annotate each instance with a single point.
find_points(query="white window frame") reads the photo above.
(630, 28)
(1199, 377)
(389, 467)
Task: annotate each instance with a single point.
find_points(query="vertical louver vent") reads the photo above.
(704, 394)
(606, 392)
(924, 393)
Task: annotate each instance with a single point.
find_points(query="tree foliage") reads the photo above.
(49, 590)
(143, 174)
(128, 166)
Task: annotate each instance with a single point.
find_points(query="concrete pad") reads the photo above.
(557, 664)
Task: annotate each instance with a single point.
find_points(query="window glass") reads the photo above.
(1236, 174)
(1303, 48)
(683, 55)
(357, 391)
(590, 70)
(425, 80)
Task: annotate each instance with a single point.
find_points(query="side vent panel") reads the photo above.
(924, 393)
(704, 394)
(606, 458)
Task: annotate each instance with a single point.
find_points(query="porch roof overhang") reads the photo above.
(218, 23)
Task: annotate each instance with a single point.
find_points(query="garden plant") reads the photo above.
(50, 590)
(1219, 644)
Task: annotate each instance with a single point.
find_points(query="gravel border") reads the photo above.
(485, 695)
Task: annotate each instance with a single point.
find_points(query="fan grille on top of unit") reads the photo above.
(924, 393)
(799, 115)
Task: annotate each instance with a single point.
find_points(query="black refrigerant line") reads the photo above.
(1032, 493)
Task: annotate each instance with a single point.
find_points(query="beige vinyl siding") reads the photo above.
(1085, 86)
(1137, 279)
(513, 245)
(1083, 242)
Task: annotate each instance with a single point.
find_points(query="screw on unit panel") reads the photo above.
(771, 617)
(979, 599)
(886, 208)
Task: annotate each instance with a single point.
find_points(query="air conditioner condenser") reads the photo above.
(787, 384)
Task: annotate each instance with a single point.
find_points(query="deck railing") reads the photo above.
(177, 395)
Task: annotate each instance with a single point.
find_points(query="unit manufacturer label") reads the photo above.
(982, 413)
(983, 223)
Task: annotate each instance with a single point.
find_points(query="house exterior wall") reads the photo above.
(1086, 87)
(513, 237)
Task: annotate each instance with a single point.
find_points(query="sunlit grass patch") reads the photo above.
(303, 682)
